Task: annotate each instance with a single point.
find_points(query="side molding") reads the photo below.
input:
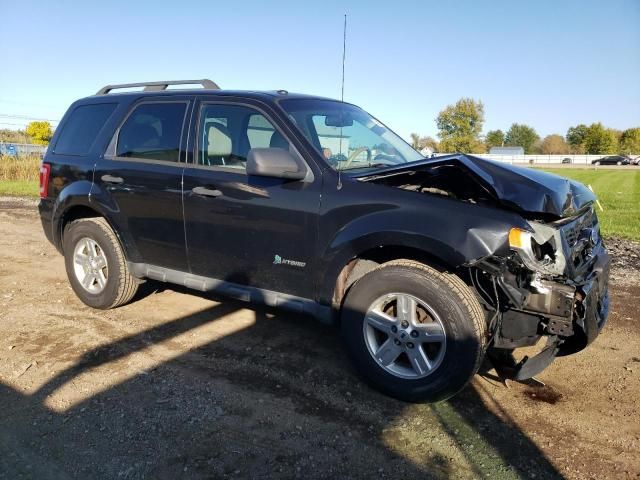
(233, 290)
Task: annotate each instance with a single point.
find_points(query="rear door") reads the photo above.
(248, 230)
(140, 180)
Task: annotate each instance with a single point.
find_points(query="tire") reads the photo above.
(596, 163)
(452, 305)
(619, 163)
(111, 285)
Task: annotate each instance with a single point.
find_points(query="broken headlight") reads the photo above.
(539, 249)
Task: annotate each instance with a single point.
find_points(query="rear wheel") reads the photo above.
(413, 332)
(596, 163)
(96, 265)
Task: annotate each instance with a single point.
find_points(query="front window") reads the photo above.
(347, 136)
(228, 132)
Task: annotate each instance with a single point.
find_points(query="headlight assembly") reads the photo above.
(540, 249)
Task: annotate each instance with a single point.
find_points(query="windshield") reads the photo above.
(347, 136)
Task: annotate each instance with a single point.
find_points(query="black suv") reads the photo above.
(314, 205)
(611, 160)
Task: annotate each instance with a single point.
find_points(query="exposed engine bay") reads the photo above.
(532, 193)
(447, 180)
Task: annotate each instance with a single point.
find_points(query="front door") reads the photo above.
(247, 230)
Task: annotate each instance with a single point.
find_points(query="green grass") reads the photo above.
(19, 175)
(619, 194)
(21, 188)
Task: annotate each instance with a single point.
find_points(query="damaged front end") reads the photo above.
(548, 279)
(553, 284)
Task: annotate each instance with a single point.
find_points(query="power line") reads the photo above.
(27, 104)
(25, 117)
(13, 124)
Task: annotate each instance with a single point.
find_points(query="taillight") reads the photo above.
(45, 172)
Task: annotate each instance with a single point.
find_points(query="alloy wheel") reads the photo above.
(90, 265)
(404, 335)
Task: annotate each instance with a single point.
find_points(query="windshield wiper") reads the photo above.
(372, 165)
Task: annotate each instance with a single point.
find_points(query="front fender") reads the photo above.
(452, 232)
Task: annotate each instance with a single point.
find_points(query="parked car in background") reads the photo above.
(611, 160)
(635, 161)
(8, 149)
(566, 160)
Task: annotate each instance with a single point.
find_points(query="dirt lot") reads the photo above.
(182, 385)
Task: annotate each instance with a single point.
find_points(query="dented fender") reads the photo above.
(445, 229)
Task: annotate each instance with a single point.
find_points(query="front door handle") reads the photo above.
(207, 192)
(112, 179)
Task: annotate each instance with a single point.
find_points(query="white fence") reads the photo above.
(541, 159)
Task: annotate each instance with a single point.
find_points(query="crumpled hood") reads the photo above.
(520, 188)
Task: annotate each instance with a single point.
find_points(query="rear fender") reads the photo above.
(81, 194)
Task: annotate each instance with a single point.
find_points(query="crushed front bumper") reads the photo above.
(569, 312)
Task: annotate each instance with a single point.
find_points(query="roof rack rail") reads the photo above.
(162, 85)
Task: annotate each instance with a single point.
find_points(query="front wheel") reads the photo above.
(96, 265)
(414, 332)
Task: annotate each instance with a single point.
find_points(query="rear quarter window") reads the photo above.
(81, 128)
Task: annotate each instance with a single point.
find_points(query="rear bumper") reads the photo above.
(45, 208)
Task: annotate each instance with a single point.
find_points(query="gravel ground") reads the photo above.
(625, 254)
(184, 385)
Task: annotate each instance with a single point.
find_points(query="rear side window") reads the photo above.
(153, 132)
(80, 130)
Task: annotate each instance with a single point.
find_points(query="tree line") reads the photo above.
(460, 130)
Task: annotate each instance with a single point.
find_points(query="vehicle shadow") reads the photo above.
(275, 400)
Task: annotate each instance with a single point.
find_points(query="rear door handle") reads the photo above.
(112, 179)
(207, 192)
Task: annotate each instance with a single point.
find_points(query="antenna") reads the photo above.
(344, 54)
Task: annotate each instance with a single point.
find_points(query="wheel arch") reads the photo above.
(349, 271)
(72, 213)
(76, 205)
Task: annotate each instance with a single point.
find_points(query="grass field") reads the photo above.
(19, 175)
(19, 168)
(619, 194)
(19, 188)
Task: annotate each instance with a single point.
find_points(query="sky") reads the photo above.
(548, 64)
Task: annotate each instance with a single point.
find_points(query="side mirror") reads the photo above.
(274, 162)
